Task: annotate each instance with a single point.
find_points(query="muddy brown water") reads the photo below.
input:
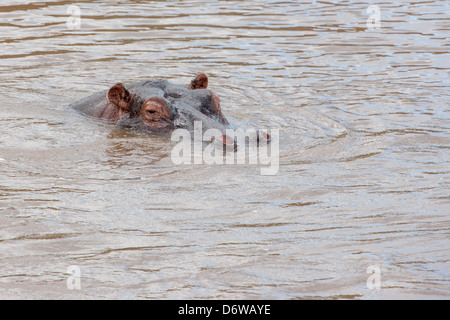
(363, 180)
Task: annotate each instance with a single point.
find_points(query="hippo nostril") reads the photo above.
(229, 144)
(227, 140)
(262, 137)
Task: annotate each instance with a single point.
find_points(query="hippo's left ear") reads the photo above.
(200, 82)
(120, 97)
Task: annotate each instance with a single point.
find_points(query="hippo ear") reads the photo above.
(120, 96)
(200, 82)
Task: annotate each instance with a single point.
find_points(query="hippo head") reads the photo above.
(158, 106)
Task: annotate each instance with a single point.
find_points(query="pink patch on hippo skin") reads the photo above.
(217, 109)
(111, 112)
(227, 140)
(229, 144)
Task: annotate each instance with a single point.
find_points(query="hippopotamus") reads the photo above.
(156, 106)
(159, 106)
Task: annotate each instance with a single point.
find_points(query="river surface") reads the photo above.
(358, 208)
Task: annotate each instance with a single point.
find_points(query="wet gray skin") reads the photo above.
(174, 106)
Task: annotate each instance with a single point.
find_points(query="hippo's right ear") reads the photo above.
(120, 96)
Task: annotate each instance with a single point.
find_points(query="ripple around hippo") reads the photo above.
(308, 135)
